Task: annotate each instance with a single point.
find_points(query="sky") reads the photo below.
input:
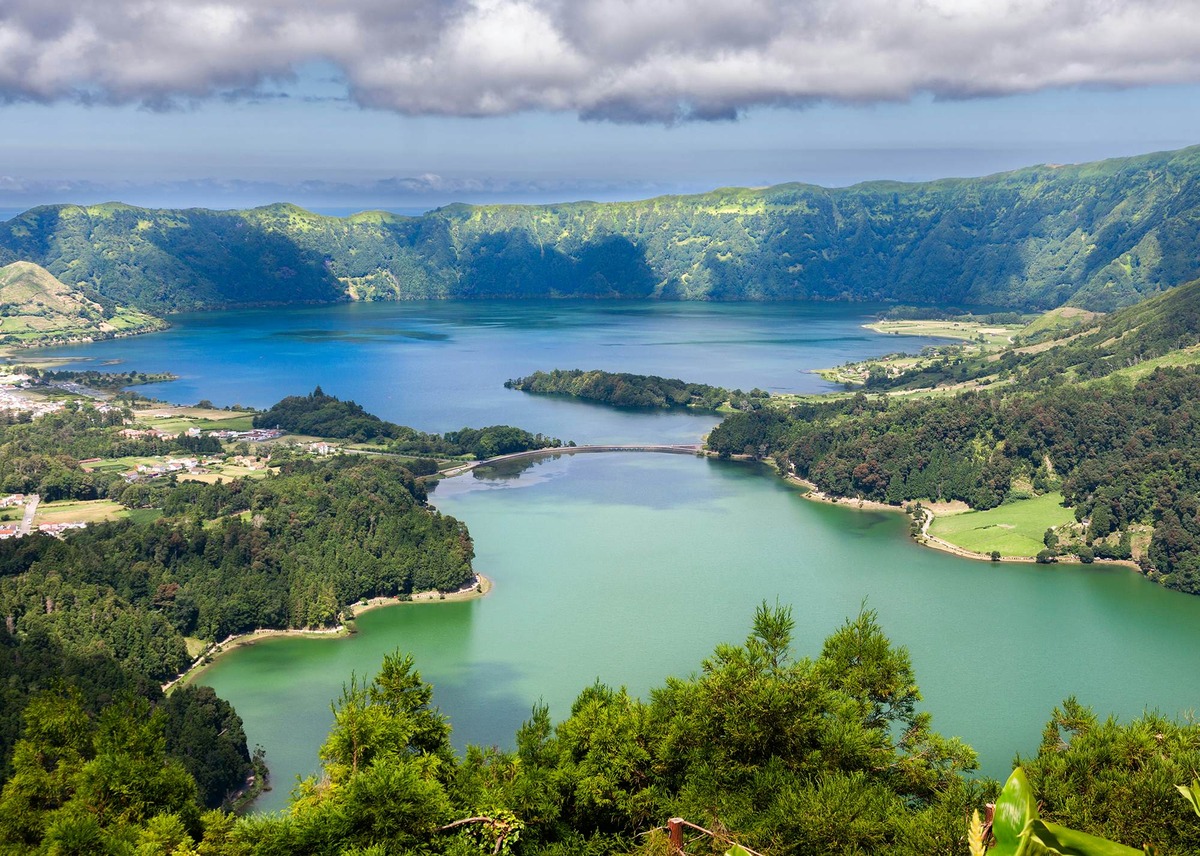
(341, 105)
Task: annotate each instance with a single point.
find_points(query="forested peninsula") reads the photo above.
(1098, 235)
(288, 551)
(100, 618)
(1104, 413)
(322, 415)
(622, 389)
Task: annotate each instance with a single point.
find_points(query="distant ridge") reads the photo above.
(1097, 236)
(37, 309)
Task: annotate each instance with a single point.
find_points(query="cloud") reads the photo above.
(620, 60)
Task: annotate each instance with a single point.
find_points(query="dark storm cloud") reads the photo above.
(622, 60)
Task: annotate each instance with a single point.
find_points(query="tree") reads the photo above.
(75, 778)
(387, 763)
(206, 734)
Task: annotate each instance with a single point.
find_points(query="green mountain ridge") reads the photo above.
(1098, 235)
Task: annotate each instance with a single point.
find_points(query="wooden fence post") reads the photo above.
(675, 830)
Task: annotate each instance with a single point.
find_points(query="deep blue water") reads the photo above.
(440, 366)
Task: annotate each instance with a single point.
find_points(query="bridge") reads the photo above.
(670, 449)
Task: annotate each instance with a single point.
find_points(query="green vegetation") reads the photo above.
(1124, 455)
(630, 390)
(794, 757)
(992, 335)
(38, 309)
(1054, 323)
(92, 379)
(179, 419)
(972, 338)
(1018, 829)
(1161, 330)
(1015, 528)
(1101, 411)
(86, 511)
(321, 415)
(289, 550)
(42, 456)
(1097, 235)
(1118, 781)
(65, 696)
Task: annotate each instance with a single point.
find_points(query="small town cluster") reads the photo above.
(22, 514)
(13, 401)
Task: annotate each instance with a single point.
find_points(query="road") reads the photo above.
(31, 504)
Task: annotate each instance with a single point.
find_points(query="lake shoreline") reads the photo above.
(813, 494)
(480, 588)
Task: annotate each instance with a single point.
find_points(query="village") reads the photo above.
(245, 452)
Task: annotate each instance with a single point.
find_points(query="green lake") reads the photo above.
(628, 567)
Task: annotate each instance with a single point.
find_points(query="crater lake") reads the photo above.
(629, 567)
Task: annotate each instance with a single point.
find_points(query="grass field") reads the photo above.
(971, 338)
(224, 474)
(120, 465)
(191, 417)
(1056, 322)
(144, 515)
(86, 511)
(1015, 529)
(970, 331)
(1184, 357)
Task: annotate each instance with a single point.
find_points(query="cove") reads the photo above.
(629, 567)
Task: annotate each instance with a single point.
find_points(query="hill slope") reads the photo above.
(1098, 235)
(36, 308)
(1163, 330)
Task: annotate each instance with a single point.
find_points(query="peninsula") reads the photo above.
(633, 390)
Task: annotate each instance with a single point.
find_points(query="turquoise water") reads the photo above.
(630, 567)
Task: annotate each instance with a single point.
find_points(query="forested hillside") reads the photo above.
(826, 755)
(1123, 455)
(1098, 235)
(1161, 330)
